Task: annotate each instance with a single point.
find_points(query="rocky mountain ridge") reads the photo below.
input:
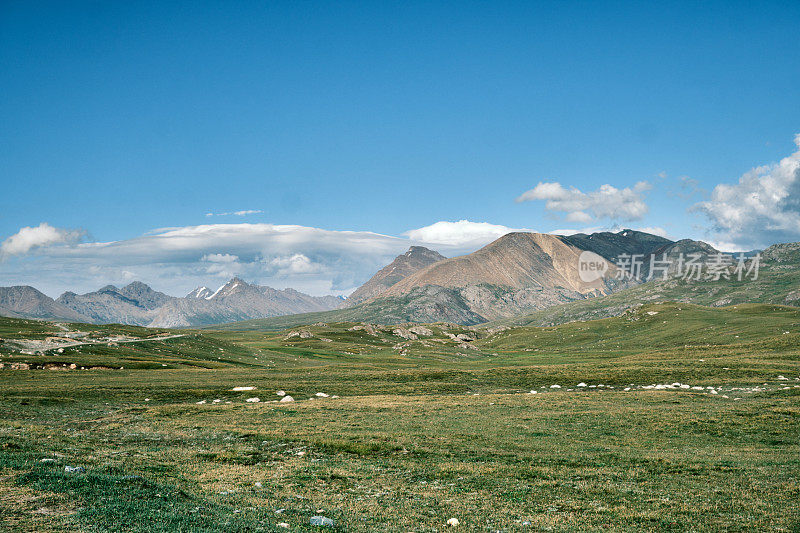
(138, 304)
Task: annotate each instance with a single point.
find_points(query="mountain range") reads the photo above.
(518, 275)
(138, 304)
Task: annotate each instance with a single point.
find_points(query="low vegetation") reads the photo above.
(669, 417)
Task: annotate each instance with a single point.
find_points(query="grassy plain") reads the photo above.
(420, 431)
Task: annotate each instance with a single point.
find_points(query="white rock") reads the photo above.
(280, 393)
(532, 392)
(555, 386)
(253, 400)
(283, 524)
(321, 521)
(287, 398)
(581, 384)
(201, 402)
(322, 395)
(239, 389)
(453, 522)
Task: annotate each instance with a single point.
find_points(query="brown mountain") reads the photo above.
(516, 272)
(415, 259)
(514, 261)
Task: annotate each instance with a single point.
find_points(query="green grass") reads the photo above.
(422, 430)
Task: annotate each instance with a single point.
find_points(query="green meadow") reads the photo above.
(687, 419)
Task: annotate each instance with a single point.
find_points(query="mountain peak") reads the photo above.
(234, 285)
(200, 292)
(415, 259)
(137, 286)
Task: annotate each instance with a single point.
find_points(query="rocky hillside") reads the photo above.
(414, 260)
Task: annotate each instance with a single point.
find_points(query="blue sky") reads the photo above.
(119, 119)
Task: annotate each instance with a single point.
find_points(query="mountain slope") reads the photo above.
(778, 282)
(516, 260)
(415, 259)
(611, 245)
(27, 302)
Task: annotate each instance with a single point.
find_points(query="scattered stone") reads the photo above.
(280, 393)
(322, 395)
(533, 392)
(74, 469)
(258, 484)
(283, 524)
(287, 398)
(453, 522)
(422, 331)
(201, 402)
(240, 389)
(555, 386)
(47, 460)
(405, 334)
(367, 328)
(253, 400)
(581, 384)
(321, 521)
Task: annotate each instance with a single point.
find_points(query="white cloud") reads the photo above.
(459, 234)
(30, 238)
(242, 213)
(653, 230)
(607, 202)
(220, 258)
(176, 260)
(762, 208)
(222, 265)
(294, 264)
(567, 231)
